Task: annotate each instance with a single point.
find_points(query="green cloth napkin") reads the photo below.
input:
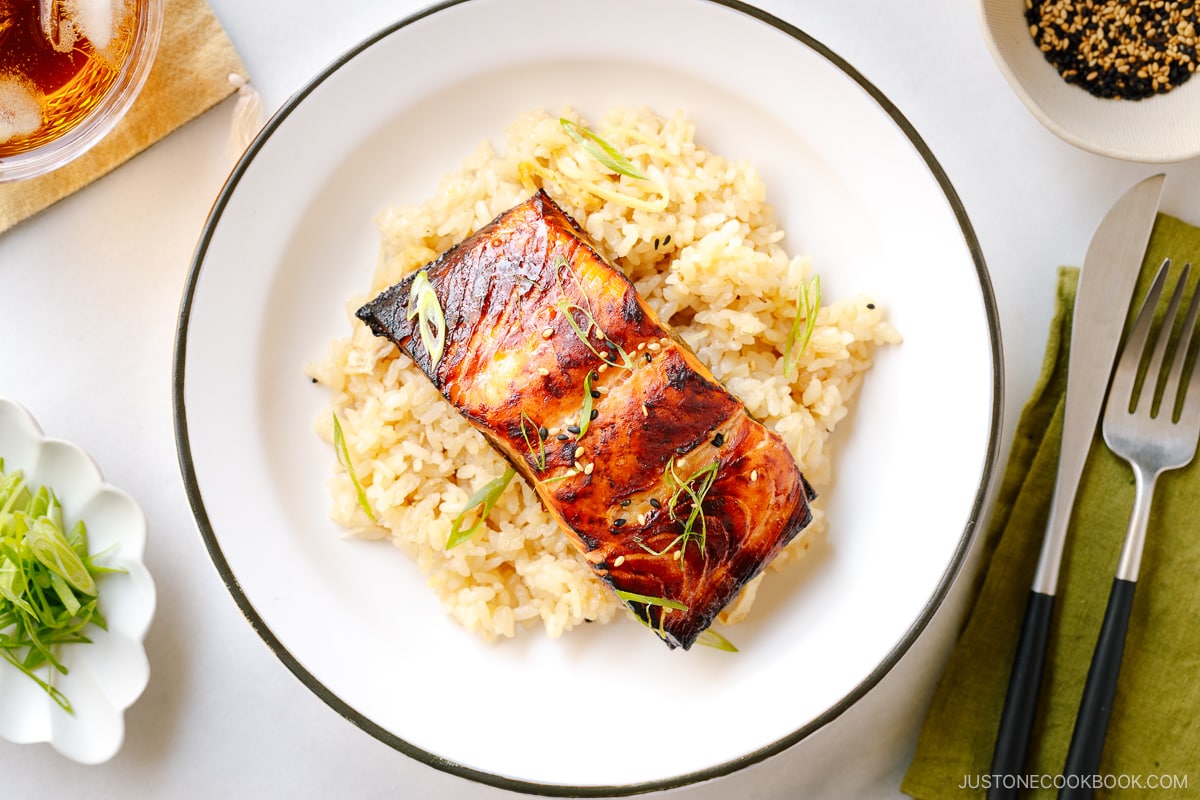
(1153, 743)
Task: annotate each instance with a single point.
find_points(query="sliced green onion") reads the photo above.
(48, 589)
(343, 457)
(601, 150)
(423, 303)
(662, 602)
(50, 546)
(808, 301)
(484, 499)
(710, 638)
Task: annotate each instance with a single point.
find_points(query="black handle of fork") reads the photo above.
(1091, 725)
(1020, 703)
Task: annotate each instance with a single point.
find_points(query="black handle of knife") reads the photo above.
(1091, 725)
(1021, 700)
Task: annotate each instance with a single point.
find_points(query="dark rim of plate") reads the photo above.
(557, 790)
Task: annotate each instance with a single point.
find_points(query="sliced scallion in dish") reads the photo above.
(48, 589)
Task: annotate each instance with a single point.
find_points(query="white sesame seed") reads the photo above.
(543, 371)
(641, 518)
(588, 469)
(619, 561)
(547, 333)
(654, 347)
(580, 451)
(753, 474)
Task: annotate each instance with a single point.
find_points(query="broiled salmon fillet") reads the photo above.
(673, 494)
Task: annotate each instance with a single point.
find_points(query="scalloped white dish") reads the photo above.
(106, 676)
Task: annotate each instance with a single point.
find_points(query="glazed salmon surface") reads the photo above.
(671, 492)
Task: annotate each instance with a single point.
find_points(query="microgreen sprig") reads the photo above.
(569, 309)
(484, 499)
(423, 304)
(539, 452)
(601, 150)
(343, 457)
(705, 477)
(808, 301)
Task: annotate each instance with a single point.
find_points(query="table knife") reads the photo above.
(1106, 283)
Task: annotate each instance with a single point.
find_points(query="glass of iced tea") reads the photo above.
(69, 70)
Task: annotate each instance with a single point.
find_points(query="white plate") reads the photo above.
(1159, 129)
(106, 676)
(606, 709)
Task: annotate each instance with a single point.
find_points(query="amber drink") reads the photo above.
(69, 69)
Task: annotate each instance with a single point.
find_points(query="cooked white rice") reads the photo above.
(712, 266)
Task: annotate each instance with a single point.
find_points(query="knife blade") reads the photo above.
(1106, 284)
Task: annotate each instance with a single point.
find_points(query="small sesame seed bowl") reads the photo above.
(1092, 77)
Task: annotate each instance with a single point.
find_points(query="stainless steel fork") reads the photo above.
(1153, 435)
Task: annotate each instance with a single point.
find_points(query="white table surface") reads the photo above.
(90, 289)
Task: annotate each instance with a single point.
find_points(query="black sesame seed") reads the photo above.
(655, 242)
(667, 240)
(648, 358)
(625, 503)
(573, 429)
(543, 432)
(595, 394)
(618, 522)
(562, 437)
(718, 440)
(654, 501)
(595, 413)
(871, 305)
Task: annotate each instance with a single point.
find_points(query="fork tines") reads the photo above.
(1125, 385)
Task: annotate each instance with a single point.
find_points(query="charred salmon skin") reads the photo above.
(672, 493)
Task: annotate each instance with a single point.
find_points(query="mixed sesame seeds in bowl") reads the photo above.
(1110, 77)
